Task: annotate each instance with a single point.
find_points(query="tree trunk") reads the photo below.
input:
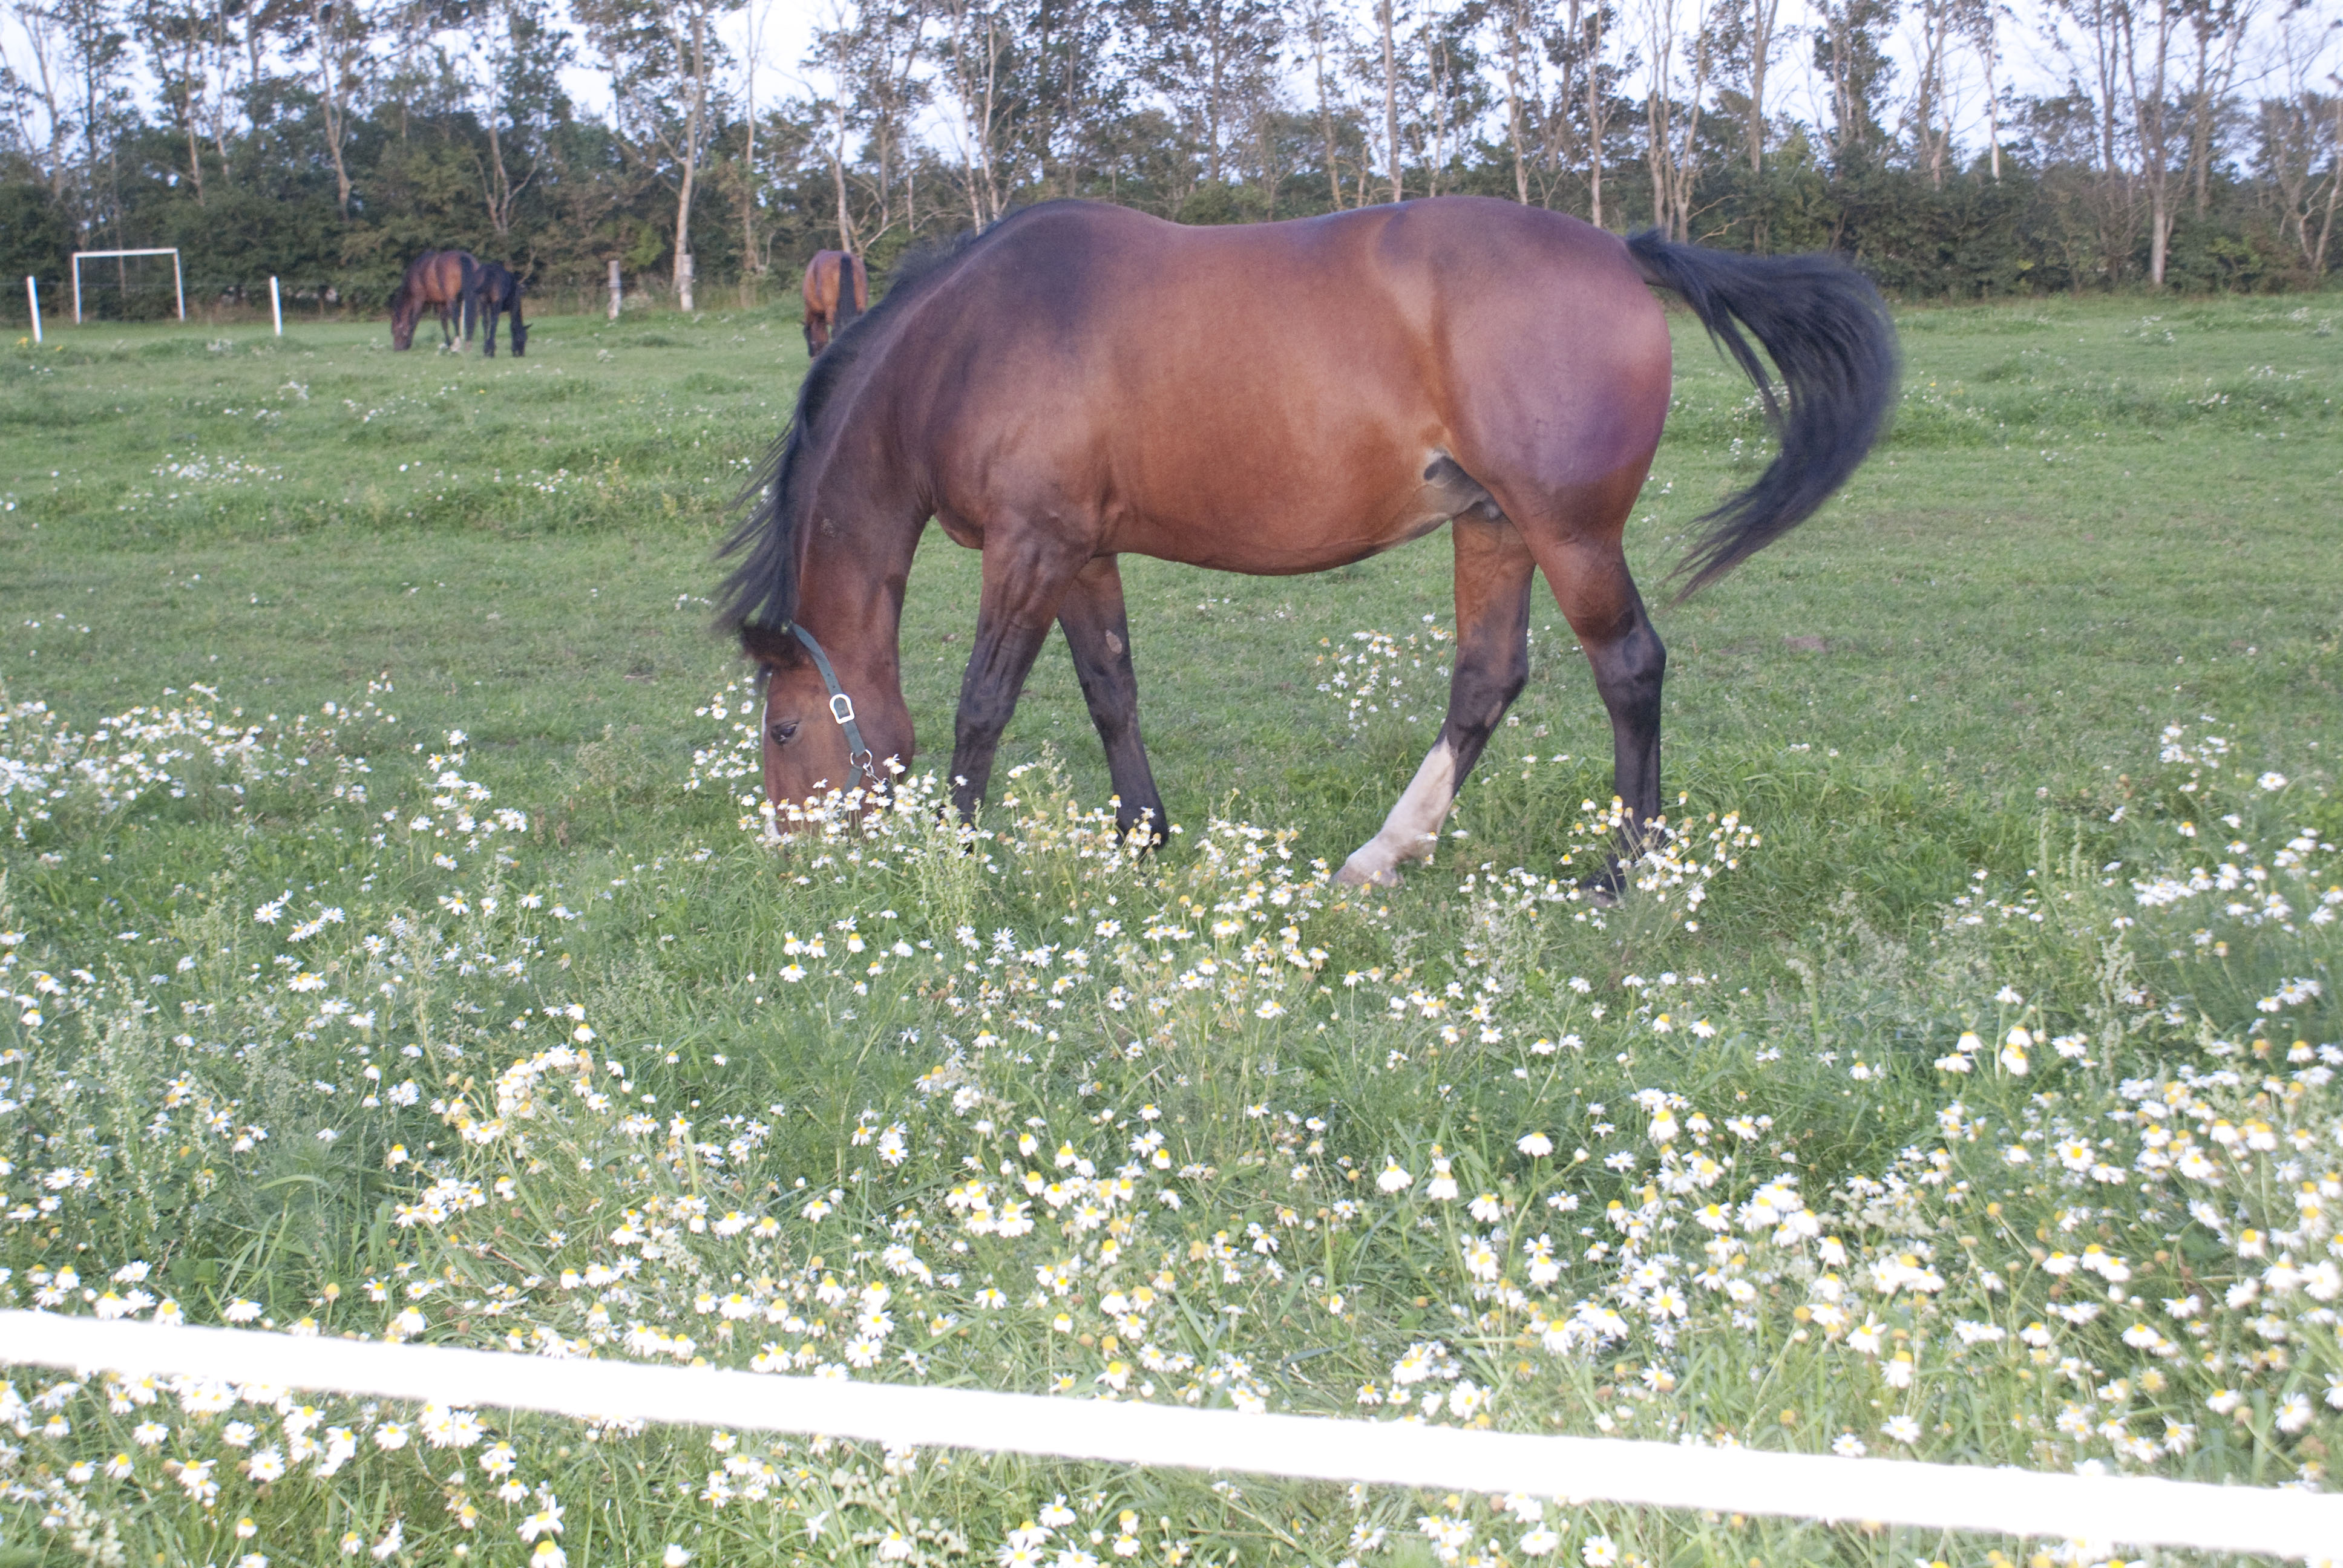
(2148, 109)
(1986, 53)
(1391, 99)
(694, 122)
(749, 260)
(1317, 24)
(1762, 16)
(1594, 117)
(1216, 42)
(838, 181)
(325, 18)
(2334, 187)
(1513, 104)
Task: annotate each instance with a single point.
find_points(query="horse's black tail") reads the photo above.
(848, 309)
(1825, 328)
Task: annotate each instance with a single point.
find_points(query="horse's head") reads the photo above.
(519, 336)
(406, 309)
(805, 749)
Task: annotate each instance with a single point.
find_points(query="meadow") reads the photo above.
(393, 953)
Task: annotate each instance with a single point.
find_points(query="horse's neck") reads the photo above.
(857, 560)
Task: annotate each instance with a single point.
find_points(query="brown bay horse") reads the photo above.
(442, 279)
(1081, 380)
(829, 304)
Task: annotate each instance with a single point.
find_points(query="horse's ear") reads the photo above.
(768, 646)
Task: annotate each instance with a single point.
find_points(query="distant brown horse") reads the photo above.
(441, 279)
(828, 306)
(1083, 380)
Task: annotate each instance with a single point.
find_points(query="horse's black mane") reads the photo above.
(761, 593)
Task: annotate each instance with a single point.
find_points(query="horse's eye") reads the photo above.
(781, 730)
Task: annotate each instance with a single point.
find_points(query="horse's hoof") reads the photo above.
(1350, 875)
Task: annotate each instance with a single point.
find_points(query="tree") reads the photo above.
(2151, 118)
(1209, 59)
(1745, 37)
(662, 56)
(1672, 123)
(1449, 93)
(174, 37)
(2297, 131)
(1979, 22)
(1579, 45)
(1318, 26)
(1850, 53)
(2218, 28)
(1931, 113)
(41, 124)
(524, 100)
(1384, 16)
(336, 33)
(1517, 28)
(974, 50)
(872, 58)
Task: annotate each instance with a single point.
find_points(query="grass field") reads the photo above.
(381, 970)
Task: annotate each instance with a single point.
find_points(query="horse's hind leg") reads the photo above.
(1099, 636)
(1598, 598)
(1492, 663)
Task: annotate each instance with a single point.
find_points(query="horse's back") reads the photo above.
(1437, 294)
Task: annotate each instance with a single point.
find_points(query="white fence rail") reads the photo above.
(2105, 1509)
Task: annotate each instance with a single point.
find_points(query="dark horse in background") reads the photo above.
(496, 291)
(830, 304)
(1081, 380)
(443, 280)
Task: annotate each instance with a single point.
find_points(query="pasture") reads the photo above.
(391, 959)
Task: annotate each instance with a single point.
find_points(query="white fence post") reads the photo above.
(32, 292)
(275, 307)
(617, 290)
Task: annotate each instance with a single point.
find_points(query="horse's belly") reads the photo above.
(1266, 534)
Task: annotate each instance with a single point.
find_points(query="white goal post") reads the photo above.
(178, 278)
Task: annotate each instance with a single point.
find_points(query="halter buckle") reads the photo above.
(841, 708)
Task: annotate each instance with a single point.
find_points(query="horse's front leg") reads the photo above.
(1025, 579)
(1098, 634)
(1493, 664)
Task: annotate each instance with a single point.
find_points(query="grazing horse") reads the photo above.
(830, 306)
(495, 290)
(1081, 381)
(441, 279)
